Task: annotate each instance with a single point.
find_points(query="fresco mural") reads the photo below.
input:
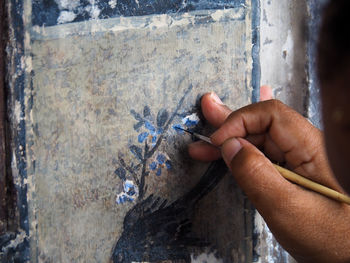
(107, 174)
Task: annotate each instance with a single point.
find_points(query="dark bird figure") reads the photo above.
(155, 231)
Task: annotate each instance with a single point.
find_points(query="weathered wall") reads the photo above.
(283, 31)
(81, 114)
(283, 60)
(288, 36)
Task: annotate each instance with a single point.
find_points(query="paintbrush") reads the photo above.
(291, 176)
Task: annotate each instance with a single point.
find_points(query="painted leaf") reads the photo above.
(137, 151)
(138, 125)
(136, 115)
(162, 117)
(146, 111)
(142, 137)
(121, 173)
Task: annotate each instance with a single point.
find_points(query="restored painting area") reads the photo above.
(109, 177)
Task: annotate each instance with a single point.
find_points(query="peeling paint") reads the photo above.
(205, 258)
(66, 16)
(267, 247)
(288, 51)
(17, 112)
(20, 237)
(146, 22)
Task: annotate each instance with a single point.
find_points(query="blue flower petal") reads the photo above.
(153, 166)
(124, 198)
(142, 136)
(154, 139)
(131, 192)
(161, 158)
(120, 199)
(159, 171)
(168, 164)
(150, 127)
(190, 123)
(128, 185)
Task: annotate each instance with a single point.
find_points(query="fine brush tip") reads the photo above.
(182, 129)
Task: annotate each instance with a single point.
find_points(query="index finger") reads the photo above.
(300, 142)
(214, 110)
(287, 128)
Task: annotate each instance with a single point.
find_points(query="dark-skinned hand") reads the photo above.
(311, 227)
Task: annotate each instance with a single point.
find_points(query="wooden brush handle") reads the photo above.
(307, 183)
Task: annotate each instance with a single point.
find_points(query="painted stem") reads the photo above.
(149, 154)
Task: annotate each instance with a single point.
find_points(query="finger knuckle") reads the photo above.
(276, 104)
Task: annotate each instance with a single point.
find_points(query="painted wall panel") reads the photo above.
(108, 175)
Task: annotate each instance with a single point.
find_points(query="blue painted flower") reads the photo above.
(152, 133)
(187, 122)
(129, 193)
(160, 163)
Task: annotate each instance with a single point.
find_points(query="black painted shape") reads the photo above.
(121, 173)
(154, 231)
(46, 12)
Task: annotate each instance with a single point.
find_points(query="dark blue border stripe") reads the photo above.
(19, 134)
(46, 12)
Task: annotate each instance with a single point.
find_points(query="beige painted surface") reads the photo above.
(87, 78)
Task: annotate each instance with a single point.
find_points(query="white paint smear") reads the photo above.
(66, 16)
(17, 112)
(112, 3)
(67, 4)
(204, 257)
(193, 118)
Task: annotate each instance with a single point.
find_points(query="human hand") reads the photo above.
(311, 227)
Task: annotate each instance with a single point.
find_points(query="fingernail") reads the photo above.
(216, 98)
(229, 149)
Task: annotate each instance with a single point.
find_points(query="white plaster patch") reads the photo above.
(14, 169)
(217, 15)
(204, 257)
(28, 63)
(71, 8)
(67, 4)
(271, 248)
(17, 112)
(66, 16)
(112, 3)
(129, 23)
(93, 10)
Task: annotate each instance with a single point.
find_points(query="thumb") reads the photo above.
(255, 174)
